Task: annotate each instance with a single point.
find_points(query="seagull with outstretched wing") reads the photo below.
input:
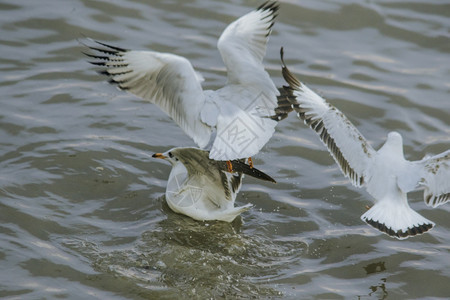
(386, 174)
(233, 122)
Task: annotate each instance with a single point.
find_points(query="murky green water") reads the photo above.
(82, 211)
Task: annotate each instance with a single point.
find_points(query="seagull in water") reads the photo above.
(202, 188)
(386, 174)
(233, 122)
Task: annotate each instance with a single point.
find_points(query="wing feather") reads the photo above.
(242, 46)
(436, 179)
(167, 80)
(345, 143)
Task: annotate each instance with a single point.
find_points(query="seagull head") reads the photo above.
(192, 158)
(395, 138)
(170, 156)
(394, 144)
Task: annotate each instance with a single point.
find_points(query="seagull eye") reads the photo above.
(172, 156)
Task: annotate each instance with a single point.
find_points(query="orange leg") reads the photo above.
(250, 162)
(229, 166)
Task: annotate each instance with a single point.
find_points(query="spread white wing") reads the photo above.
(345, 143)
(167, 80)
(244, 125)
(243, 45)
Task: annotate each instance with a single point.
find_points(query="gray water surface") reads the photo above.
(82, 207)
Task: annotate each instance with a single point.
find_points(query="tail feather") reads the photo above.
(395, 220)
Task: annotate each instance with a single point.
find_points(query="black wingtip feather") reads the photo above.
(236, 181)
(239, 166)
(284, 106)
(293, 82)
(97, 63)
(106, 51)
(274, 6)
(112, 47)
(103, 72)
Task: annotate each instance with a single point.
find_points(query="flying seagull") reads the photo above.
(233, 122)
(386, 174)
(202, 188)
